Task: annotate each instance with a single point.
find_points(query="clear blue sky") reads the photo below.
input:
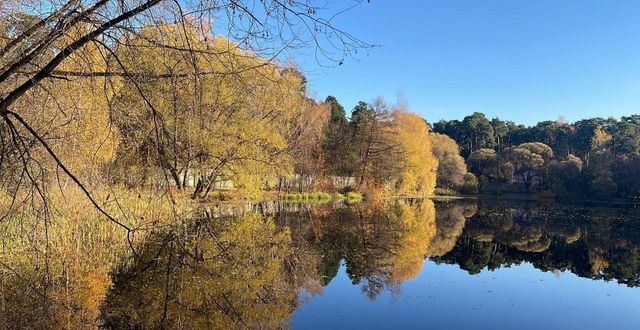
(521, 60)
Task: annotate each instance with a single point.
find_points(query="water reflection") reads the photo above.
(592, 242)
(210, 275)
(381, 246)
(251, 267)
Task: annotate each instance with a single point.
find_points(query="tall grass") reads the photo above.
(64, 256)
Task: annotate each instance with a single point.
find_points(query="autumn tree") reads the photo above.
(393, 149)
(233, 125)
(378, 154)
(469, 184)
(563, 177)
(451, 166)
(306, 141)
(528, 160)
(96, 44)
(419, 175)
(488, 166)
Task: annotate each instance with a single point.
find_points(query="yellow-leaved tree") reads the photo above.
(72, 116)
(419, 174)
(219, 114)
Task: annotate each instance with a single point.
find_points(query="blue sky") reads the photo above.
(520, 60)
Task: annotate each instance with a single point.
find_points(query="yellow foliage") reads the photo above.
(239, 266)
(72, 115)
(451, 166)
(419, 176)
(223, 113)
(418, 230)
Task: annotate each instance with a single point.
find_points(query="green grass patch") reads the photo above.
(446, 192)
(353, 196)
(321, 197)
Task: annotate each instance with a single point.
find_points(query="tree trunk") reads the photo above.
(199, 187)
(176, 178)
(185, 178)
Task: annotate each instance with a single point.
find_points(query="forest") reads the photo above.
(122, 121)
(595, 158)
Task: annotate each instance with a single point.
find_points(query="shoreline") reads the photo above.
(270, 196)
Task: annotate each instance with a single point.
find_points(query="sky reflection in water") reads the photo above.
(445, 297)
(519, 265)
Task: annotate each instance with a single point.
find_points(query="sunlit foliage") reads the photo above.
(419, 175)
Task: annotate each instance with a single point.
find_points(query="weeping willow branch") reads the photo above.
(64, 168)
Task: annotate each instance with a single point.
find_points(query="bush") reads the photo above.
(470, 185)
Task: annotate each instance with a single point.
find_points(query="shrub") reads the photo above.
(470, 185)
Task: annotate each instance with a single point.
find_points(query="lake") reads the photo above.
(408, 264)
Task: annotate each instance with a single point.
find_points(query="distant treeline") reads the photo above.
(594, 157)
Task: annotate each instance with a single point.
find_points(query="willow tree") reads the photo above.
(48, 42)
(231, 124)
(419, 173)
(451, 166)
(528, 161)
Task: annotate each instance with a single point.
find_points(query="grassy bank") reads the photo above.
(350, 197)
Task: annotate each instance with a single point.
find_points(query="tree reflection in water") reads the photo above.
(381, 246)
(211, 274)
(595, 242)
(252, 268)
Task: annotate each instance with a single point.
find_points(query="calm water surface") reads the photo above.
(500, 265)
(398, 264)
